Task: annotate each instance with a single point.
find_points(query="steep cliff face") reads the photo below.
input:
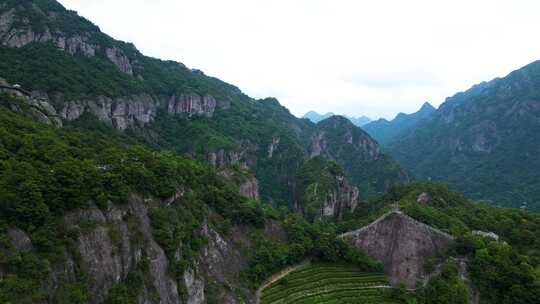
(323, 192)
(341, 200)
(120, 113)
(36, 105)
(248, 185)
(112, 244)
(25, 22)
(137, 110)
(337, 139)
(402, 244)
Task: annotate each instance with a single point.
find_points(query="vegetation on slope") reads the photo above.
(316, 179)
(386, 132)
(504, 271)
(45, 173)
(482, 142)
(328, 283)
(359, 155)
(247, 128)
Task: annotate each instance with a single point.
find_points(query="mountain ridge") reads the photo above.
(385, 131)
(481, 141)
(316, 118)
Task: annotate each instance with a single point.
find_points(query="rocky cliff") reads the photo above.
(120, 113)
(402, 244)
(112, 244)
(78, 70)
(17, 29)
(323, 192)
(337, 139)
(341, 200)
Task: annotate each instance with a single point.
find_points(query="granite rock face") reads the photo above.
(344, 198)
(248, 185)
(108, 260)
(192, 104)
(37, 105)
(402, 244)
(121, 113)
(134, 111)
(16, 32)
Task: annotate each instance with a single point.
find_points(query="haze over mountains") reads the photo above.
(316, 117)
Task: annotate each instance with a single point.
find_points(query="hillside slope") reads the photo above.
(93, 217)
(483, 142)
(81, 71)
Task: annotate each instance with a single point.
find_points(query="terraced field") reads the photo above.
(328, 284)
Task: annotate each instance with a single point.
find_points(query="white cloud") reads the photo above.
(355, 57)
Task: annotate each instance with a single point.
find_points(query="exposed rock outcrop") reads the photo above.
(18, 32)
(121, 113)
(250, 188)
(248, 185)
(20, 240)
(33, 104)
(343, 199)
(120, 60)
(402, 244)
(192, 104)
(108, 253)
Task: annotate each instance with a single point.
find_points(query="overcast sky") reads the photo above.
(355, 57)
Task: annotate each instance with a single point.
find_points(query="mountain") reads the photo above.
(128, 179)
(316, 118)
(385, 132)
(413, 221)
(359, 121)
(482, 141)
(361, 158)
(62, 57)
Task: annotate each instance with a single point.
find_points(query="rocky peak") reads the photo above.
(323, 190)
(336, 134)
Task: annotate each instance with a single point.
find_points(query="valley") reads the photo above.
(127, 179)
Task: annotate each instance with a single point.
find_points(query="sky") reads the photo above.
(354, 57)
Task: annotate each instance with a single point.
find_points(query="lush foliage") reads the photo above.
(505, 271)
(45, 173)
(328, 283)
(317, 241)
(359, 156)
(482, 141)
(315, 180)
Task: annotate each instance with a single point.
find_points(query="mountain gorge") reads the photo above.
(128, 179)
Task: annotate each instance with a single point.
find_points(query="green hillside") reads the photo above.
(328, 283)
(482, 142)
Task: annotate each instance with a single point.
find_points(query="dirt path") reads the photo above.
(278, 276)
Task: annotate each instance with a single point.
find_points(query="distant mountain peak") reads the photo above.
(385, 131)
(427, 107)
(316, 118)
